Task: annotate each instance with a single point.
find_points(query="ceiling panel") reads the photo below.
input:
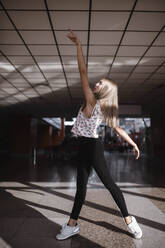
(43, 90)
(121, 75)
(38, 37)
(156, 51)
(151, 61)
(135, 80)
(21, 97)
(68, 5)
(30, 19)
(27, 68)
(59, 88)
(21, 87)
(161, 70)
(160, 41)
(3, 60)
(71, 68)
(9, 37)
(11, 75)
(112, 5)
(14, 50)
(70, 60)
(115, 21)
(30, 94)
(51, 68)
(5, 22)
(75, 20)
(140, 38)
(143, 69)
(17, 80)
(4, 95)
(121, 68)
(43, 50)
(139, 75)
(5, 84)
(130, 85)
(98, 68)
(133, 50)
(53, 75)
(119, 81)
(36, 80)
(72, 74)
(99, 60)
(146, 21)
(58, 81)
(102, 50)
(109, 37)
(10, 90)
(6, 67)
(21, 60)
(151, 5)
(11, 100)
(153, 81)
(47, 60)
(29, 75)
(158, 76)
(23, 4)
(74, 81)
(126, 60)
(95, 76)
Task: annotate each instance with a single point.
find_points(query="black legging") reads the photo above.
(91, 152)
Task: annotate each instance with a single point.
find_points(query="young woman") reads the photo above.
(101, 104)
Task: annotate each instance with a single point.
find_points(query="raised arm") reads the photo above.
(89, 96)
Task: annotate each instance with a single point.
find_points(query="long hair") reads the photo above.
(109, 98)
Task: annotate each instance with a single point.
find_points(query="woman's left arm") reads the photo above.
(127, 138)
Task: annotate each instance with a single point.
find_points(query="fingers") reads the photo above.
(68, 35)
(71, 32)
(138, 154)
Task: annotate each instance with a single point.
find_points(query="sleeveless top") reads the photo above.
(85, 126)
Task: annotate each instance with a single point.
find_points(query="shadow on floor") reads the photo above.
(23, 226)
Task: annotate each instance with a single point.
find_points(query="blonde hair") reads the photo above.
(109, 98)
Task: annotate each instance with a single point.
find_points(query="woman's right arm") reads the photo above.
(89, 96)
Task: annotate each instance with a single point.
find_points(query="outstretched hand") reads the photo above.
(73, 37)
(136, 151)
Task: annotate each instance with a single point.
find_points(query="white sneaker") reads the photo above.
(67, 231)
(134, 228)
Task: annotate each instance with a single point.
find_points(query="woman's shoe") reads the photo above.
(134, 228)
(67, 231)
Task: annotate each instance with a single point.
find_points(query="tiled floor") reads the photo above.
(37, 199)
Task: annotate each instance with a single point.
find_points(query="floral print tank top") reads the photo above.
(85, 126)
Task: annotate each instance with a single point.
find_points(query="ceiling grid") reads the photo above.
(150, 45)
(59, 54)
(122, 39)
(129, 18)
(33, 87)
